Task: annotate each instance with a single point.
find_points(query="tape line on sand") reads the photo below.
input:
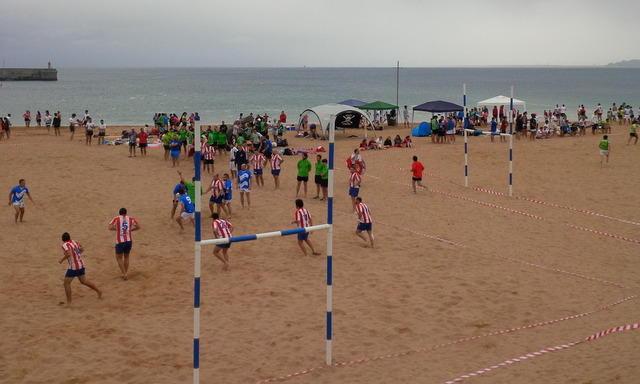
(438, 346)
(541, 202)
(531, 355)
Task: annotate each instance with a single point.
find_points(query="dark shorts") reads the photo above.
(123, 247)
(216, 200)
(416, 178)
(166, 147)
(353, 192)
(364, 227)
(89, 132)
(102, 134)
(275, 172)
(324, 183)
(303, 236)
(74, 272)
(258, 172)
(72, 128)
(224, 246)
(208, 161)
(633, 135)
(132, 144)
(303, 178)
(318, 179)
(143, 145)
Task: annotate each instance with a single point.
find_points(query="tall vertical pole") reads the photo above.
(196, 259)
(466, 159)
(398, 85)
(464, 98)
(329, 318)
(511, 165)
(511, 144)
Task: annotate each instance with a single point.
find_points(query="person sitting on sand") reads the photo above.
(364, 144)
(379, 143)
(222, 229)
(397, 141)
(372, 144)
(302, 218)
(407, 143)
(73, 255)
(388, 143)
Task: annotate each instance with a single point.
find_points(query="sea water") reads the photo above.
(133, 95)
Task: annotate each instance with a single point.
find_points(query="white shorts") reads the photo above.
(247, 190)
(19, 204)
(186, 215)
(233, 166)
(604, 152)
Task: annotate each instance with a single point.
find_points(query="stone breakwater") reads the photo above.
(28, 74)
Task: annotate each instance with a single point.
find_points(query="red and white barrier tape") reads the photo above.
(438, 346)
(531, 355)
(585, 211)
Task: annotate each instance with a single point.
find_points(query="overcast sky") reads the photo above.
(370, 33)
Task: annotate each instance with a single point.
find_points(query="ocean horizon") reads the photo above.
(132, 95)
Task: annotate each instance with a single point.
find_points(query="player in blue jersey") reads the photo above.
(16, 198)
(228, 194)
(187, 208)
(244, 184)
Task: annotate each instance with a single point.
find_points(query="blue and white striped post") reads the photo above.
(197, 258)
(511, 112)
(329, 320)
(464, 129)
(511, 146)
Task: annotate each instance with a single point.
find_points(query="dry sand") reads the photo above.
(265, 317)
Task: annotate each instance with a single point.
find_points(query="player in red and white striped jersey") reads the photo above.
(302, 218)
(217, 194)
(257, 163)
(276, 164)
(73, 255)
(208, 157)
(354, 186)
(365, 222)
(123, 225)
(222, 229)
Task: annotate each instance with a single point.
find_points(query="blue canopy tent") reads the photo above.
(437, 106)
(353, 103)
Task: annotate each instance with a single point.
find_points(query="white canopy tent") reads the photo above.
(326, 114)
(501, 100)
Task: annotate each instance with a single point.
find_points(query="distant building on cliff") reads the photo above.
(29, 74)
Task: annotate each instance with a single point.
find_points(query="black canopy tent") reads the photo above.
(437, 106)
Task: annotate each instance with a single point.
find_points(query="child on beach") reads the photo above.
(605, 148)
(244, 185)
(365, 222)
(143, 138)
(318, 176)
(123, 225)
(416, 172)
(102, 132)
(276, 164)
(174, 148)
(222, 229)
(73, 255)
(302, 218)
(633, 132)
(228, 194)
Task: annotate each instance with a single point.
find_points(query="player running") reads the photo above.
(187, 209)
(16, 198)
(123, 225)
(276, 165)
(416, 171)
(365, 222)
(302, 218)
(222, 229)
(73, 255)
(228, 194)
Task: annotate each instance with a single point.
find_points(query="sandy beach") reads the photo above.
(450, 263)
